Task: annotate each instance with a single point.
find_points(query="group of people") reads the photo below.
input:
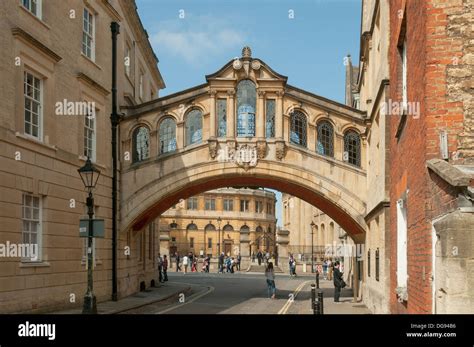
(262, 257)
(230, 264)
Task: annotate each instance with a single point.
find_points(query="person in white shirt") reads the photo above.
(185, 263)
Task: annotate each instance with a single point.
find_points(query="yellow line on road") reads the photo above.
(287, 305)
(193, 298)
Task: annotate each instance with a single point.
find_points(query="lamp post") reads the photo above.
(219, 220)
(312, 225)
(89, 175)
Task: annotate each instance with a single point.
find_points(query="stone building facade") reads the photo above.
(57, 55)
(192, 225)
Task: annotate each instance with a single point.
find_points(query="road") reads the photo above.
(239, 293)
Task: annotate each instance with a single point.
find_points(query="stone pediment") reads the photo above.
(245, 67)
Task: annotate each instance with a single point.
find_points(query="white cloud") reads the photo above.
(195, 39)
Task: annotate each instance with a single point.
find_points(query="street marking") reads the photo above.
(193, 298)
(288, 303)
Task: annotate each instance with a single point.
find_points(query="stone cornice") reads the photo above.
(379, 207)
(111, 10)
(450, 173)
(27, 38)
(90, 82)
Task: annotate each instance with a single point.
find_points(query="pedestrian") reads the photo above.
(259, 257)
(338, 281)
(330, 269)
(270, 276)
(221, 263)
(233, 264)
(165, 268)
(178, 268)
(208, 263)
(292, 265)
(185, 263)
(325, 269)
(253, 257)
(159, 262)
(239, 259)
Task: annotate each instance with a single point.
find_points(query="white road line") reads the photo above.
(287, 305)
(191, 299)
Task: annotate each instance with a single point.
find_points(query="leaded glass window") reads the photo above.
(325, 139)
(193, 127)
(270, 118)
(167, 135)
(141, 144)
(221, 117)
(246, 106)
(298, 128)
(352, 147)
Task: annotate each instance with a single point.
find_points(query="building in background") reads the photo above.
(57, 56)
(192, 225)
(367, 88)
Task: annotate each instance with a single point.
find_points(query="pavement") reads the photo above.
(238, 293)
(162, 293)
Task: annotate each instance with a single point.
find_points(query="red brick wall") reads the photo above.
(430, 50)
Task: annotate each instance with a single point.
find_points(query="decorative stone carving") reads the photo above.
(261, 149)
(280, 149)
(246, 156)
(246, 52)
(212, 93)
(256, 65)
(212, 142)
(237, 64)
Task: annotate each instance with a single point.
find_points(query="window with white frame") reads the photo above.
(90, 136)
(244, 205)
(402, 255)
(258, 206)
(33, 95)
(228, 204)
(34, 6)
(32, 227)
(192, 204)
(210, 204)
(88, 34)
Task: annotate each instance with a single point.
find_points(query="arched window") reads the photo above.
(210, 227)
(228, 227)
(167, 135)
(246, 106)
(245, 228)
(174, 225)
(259, 229)
(352, 147)
(298, 128)
(193, 127)
(141, 144)
(192, 226)
(325, 139)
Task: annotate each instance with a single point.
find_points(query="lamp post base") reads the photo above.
(90, 304)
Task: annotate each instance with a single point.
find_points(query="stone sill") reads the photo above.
(34, 264)
(36, 18)
(35, 141)
(91, 61)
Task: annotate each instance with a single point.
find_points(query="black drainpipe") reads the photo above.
(114, 120)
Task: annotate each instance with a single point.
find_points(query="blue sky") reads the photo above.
(193, 38)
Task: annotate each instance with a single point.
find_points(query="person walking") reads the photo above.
(330, 269)
(270, 276)
(165, 268)
(178, 268)
(221, 263)
(292, 265)
(185, 263)
(338, 281)
(259, 257)
(325, 269)
(159, 262)
(239, 259)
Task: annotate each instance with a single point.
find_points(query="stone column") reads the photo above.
(180, 136)
(260, 121)
(154, 146)
(212, 114)
(244, 249)
(279, 115)
(282, 245)
(165, 243)
(230, 114)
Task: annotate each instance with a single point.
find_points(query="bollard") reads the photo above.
(313, 294)
(321, 302)
(317, 279)
(317, 307)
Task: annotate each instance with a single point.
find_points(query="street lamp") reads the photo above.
(89, 175)
(219, 220)
(312, 246)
